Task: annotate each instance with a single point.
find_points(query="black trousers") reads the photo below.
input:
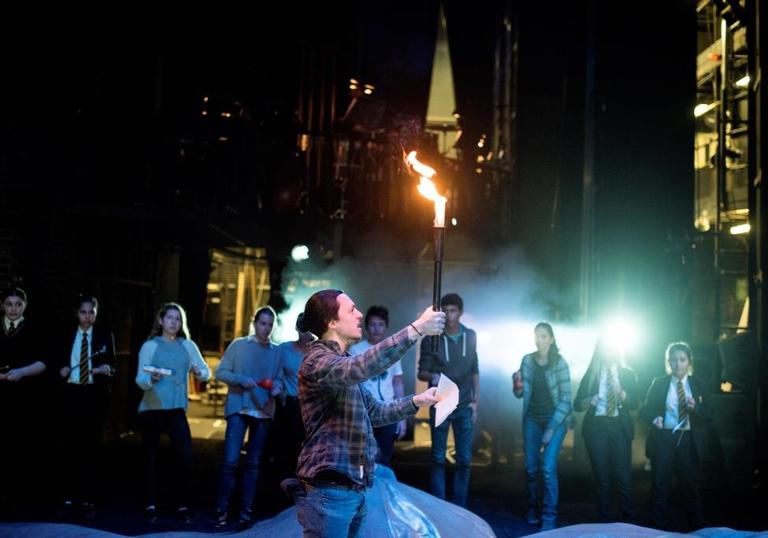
(172, 422)
(80, 427)
(287, 436)
(24, 448)
(674, 453)
(610, 453)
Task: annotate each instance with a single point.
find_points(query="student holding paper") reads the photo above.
(676, 409)
(165, 360)
(544, 383)
(336, 464)
(456, 357)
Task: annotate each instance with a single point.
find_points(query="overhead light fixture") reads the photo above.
(700, 110)
(740, 229)
(743, 82)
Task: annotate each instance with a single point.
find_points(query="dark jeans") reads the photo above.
(544, 459)
(172, 422)
(80, 426)
(610, 453)
(385, 438)
(674, 452)
(237, 425)
(461, 419)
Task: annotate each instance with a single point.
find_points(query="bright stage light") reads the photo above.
(621, 334)
(502, 343)
(299, 253)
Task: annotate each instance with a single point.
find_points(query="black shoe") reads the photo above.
(531, 517)
(150, 514)
(548, 525)
(245, 521)
(220, 519)
(183, 517)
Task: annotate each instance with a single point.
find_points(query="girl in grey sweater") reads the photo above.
(165, 360)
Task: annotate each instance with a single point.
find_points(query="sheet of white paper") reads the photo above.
(448, 392)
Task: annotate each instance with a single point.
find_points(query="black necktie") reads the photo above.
(11, 328)
(84, 360)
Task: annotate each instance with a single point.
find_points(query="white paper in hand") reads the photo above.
(448, 393)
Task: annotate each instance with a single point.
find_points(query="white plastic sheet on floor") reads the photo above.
(624, 530)
(394, 510)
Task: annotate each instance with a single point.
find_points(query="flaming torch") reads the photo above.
(428, 190)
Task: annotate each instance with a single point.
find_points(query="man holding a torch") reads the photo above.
(336, 464)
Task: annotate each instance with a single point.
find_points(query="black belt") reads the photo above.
(334, 480)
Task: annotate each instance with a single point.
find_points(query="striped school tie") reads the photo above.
(84, 360)
(682, 406)
(610, 407)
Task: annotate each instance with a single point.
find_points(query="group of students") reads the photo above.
(263, 380)
(68, 389)
(674, 409)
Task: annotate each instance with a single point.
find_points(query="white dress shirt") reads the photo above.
(16, 323)
(602, 394)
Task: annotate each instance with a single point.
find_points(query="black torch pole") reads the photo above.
(437, 281)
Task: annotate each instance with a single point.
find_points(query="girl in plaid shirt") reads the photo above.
(544, 383)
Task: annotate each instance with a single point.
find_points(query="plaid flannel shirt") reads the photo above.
(339, 413)
(559, 384)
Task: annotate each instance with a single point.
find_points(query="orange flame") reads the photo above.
(427, 188)
(429, 191)
(419, 167)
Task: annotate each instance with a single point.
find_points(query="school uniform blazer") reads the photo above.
(102, 352)
(656, 405)
(589, 387)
